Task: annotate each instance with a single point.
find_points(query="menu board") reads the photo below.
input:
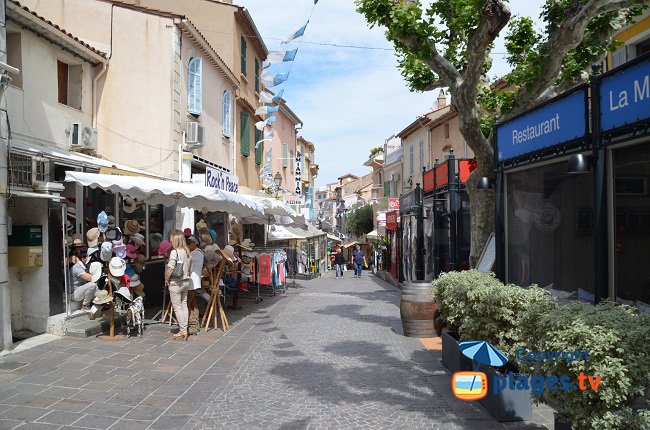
(488, 256)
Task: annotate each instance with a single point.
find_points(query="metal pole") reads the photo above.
(601, 290)
(419, 231)
(454, 209)
(64, 212)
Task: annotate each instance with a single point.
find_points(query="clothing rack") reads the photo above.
(274, 289)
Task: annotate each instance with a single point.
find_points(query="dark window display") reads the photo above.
(632, 226)
(550, 237)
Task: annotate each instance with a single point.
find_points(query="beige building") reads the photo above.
(309, 172)
(283, 147)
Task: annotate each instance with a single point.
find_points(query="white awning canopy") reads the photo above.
(373, 235)
(278, 233)
(170, 193)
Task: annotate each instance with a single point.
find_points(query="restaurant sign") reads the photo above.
(625, 96)
(554, 123)
(391, 220)
(393, 203)
(221, 180)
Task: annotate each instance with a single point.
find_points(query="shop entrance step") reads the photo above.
(85, 327)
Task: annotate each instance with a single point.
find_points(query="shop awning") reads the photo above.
(334, 238)
(278, 233)
(347, 245)
(170, 193)
(373, 235)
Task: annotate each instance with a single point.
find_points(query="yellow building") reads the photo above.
(635, 41)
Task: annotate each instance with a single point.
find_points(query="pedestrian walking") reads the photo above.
(339, 263)
(358, 258)
(177, 278)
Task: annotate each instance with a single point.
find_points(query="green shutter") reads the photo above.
(285, 155)
(259, 148)
(257, 75)
(245, 134)
(243, 56)
(387, 189)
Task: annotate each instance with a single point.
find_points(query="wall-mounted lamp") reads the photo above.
(277, 179)
(578, 163)
(483, 183)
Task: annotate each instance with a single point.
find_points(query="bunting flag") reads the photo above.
(295, 35)
(270, 120)
(278, 96)
(257, 144)
(266, 97)
(271, 81)
(276, 57)
(260, 125)
(268, 133)
(265, 110)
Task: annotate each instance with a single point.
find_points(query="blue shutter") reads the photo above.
(226, 117)
(194, 86)
(245, 134)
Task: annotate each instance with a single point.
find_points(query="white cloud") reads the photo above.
(349, 100)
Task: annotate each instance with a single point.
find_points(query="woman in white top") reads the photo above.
(196, 255)
(178, 285)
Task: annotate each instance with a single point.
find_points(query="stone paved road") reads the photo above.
(327, 355)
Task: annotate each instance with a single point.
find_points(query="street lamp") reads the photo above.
(277, 179)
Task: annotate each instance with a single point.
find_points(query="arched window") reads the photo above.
(226, 113)
(194, 86)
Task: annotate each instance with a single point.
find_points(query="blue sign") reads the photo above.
(625, 96)
(557, 122)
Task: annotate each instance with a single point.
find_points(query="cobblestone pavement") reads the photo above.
(327, 355)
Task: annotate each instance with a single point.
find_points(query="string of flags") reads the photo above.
(271, 99)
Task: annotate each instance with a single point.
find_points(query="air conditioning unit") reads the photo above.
(194, 134)
(396, 177)
(83, 137)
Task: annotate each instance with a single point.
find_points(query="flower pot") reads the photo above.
(560, 424)
(452, 358)
(506, 405)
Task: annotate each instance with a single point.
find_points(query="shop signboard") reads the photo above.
(393, 203)
(465, 168)
(294, 200)
(410, 202)
(298, 174)
(559, 121)
(428, 181)
(625, 96)
(221, 180)
(391, 220)
(442, 174)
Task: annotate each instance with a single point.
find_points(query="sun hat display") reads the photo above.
(165, 247)
(129, 271)
(229, 253)
(117, 266)
(125, 280)
(77, 243)
(95, 271)
(102, 222)
(206, 239)
(92, 236)
(106, 251)
(245, 259)
(247, 244)
(102, 297)
(187, 232)
(129, 205)
(119, 248)
(211, 258)
(131, 227)
(232, 242)
(131, 251)
(138, 239)
(125, 294)
(91, 251)
(193, 239)
(113, 233)
(201, 225)
(135, 280)
(111, 221)
(213, 235)
(154, 239)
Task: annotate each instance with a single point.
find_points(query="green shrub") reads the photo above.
(618, 343)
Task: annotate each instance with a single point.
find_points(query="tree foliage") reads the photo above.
(448, 43)
(359, 220)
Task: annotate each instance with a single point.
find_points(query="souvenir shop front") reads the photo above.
(573, 208)
(306, 249)
(446, 221)
(412, 235)
(392, 244)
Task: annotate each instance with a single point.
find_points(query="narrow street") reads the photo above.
(326, 355)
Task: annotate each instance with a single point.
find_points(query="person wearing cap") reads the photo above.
(196, 255)
(178, 286)
(83, 288)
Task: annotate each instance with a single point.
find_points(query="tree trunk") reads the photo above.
(481, 209)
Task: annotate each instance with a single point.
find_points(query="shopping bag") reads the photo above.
(365, 263)
(345, 267)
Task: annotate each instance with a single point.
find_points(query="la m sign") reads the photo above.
(625, 96)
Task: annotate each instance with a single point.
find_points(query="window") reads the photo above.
(387, 189)
(194, 86)
(69, 77)
(285, 155)
(257, 75)
(245, 134)
(421, 154)
(446, 129)
(14, 57)
(642, 47)
(243, 55)
(411, 160)
(619, 56)
(259, 146)
(226, 117)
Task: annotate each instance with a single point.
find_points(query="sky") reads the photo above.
(349, 99)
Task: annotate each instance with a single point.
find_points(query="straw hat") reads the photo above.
(247, 244)
(95, 271)
(111, 221)
(102, 222)
(102, 297)
(117, 266)
(211, 256)
(77, 243)
(201, 225)
(229, 253)
(206, 239)
(245, 259)
(132, 226)
(138, 287)
(138, 239)
(92, 236)
(106, 251)
(129, 205)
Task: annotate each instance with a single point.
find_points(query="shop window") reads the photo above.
(632, 225)
(95, 201)
(254, 232)
(156, 228)
(15, 57)
(69, 78)
(550, 237)
(642, 47)
(21, 170)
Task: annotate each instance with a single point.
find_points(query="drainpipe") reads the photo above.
(96, 79)
(5, 292)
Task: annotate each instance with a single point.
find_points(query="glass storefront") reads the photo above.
(549, 230)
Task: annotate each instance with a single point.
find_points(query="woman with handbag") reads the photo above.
(177, 279)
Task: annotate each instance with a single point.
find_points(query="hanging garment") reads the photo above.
(264, 270)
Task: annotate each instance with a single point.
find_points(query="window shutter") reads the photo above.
(619, 57)
(243, 56)
(410, 160)
(421, 154)
(259, 148)
(387, 189)
(245, 134)
(257, 75)
(194, 86)
(285, 155)
(226, 117)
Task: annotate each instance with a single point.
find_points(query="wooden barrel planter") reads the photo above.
(417, 309)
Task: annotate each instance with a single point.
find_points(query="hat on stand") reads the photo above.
(129, 205)
(229, 253)
(117, 266)
(210, 256)
(113, 233)
(165, 247)
(154, 239)
(138, 239)
(131, 251)
(102, 297)
(102, 222)
(187, 232)
(206, 239)
(131, 227)
(247, 244)
(95, 271)
(213, 234)
(92, 236)
(111, 221)
(125, 294)
(77, 243)
(106, 251)
(119, 248)
(138, 287)
(201, 225)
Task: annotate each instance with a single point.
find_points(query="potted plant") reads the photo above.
(615, 338)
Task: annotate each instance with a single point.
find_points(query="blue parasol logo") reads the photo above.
(481, 351)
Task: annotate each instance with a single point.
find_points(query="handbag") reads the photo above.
(345, 267)
(177, 273)
(365, 263)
